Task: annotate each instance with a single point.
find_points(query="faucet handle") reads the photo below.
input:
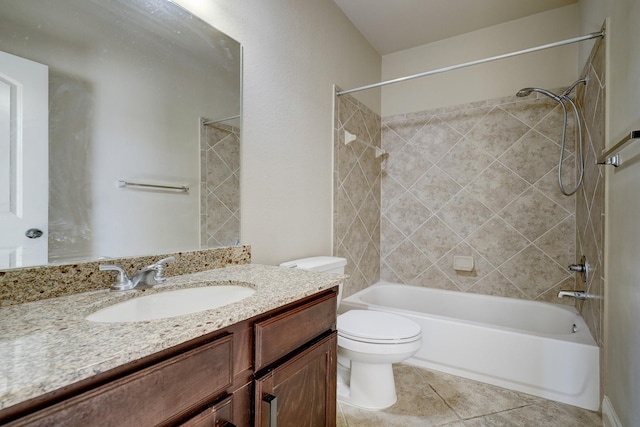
(159, 269)
(166, 260)
(123, 282)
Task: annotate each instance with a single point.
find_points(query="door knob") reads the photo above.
(33, 233)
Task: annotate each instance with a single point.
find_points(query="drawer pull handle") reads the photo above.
(228, 424)
(273, 409)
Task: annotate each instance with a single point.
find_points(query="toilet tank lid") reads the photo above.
(316, 263)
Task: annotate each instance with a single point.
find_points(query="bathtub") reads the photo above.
(533, 347)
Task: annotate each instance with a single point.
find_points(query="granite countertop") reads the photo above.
(45, 345)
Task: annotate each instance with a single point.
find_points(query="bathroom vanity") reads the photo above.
(268, 358)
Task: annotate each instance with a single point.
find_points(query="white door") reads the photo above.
(24, 161)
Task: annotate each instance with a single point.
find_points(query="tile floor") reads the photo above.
(431, 398)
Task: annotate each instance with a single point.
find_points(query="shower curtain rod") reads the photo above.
(212, 122)
(476, 62)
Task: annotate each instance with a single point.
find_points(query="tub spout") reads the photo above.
(573, 294)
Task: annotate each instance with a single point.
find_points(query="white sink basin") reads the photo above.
(171, 304)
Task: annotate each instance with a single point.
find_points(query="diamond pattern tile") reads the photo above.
(497, 186)
(533, 213)
(465, 161)
(490, 193)
(357, 187)
(408, 261)
(408, 213)
(434, 238)
(435, 138)
(435, 188)
(408, 164)
(532, 156)
(220, 186)
(494, 231)
(464, 214)
(497, 131)
(533, 272)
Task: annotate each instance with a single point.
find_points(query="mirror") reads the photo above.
(124, 92)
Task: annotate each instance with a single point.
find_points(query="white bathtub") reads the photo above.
(521, 345)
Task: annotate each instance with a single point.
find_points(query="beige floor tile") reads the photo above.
(536, 415)
(417, 405)
(470, 398)
(430, 398)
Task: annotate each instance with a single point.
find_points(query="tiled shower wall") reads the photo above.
(590, 204)
(219, 185)
(479, 180)
(356, 225)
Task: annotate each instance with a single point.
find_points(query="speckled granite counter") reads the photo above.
(45, 345)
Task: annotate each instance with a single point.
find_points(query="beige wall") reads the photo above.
(479, 180)
(590, 202)
(551, 68)
(622, 245)
(293, 52)
(356, 205)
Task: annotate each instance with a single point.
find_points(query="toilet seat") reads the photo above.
(377, 327)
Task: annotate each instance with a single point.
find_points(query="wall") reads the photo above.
(622, 245)
(356, 205)
(293, 52)
(550, 68)
(219, 185)
(590, 203)
(479, 180)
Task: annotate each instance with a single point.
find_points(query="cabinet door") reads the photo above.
(217, 415)
(300, 392)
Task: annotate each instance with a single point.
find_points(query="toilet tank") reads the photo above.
(322, 264)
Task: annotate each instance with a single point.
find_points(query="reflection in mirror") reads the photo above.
(133, 90)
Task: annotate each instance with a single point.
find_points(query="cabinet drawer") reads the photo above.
(150, 396)
(280, 335)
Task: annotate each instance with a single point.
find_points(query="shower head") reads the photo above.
(524, 92)
(527, 91)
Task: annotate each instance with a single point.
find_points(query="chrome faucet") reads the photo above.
(148, 276)
(581, 295)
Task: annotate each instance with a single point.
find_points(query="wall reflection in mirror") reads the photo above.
(94, 92)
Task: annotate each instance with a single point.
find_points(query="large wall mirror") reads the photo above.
(97, 96)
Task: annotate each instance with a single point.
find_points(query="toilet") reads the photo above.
(369, 342)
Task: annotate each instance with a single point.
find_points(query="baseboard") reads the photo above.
(609, 416)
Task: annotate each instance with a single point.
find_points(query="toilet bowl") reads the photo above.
(369, 342)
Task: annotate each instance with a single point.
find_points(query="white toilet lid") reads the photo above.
(377, 327)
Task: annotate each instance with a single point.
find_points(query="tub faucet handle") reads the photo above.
(582, 268)
(577, 268)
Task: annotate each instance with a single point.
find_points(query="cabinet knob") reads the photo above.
(272, 401)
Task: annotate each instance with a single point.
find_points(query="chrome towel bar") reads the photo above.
(181, 188)
(607, 159)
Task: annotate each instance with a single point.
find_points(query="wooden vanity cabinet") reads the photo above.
(213, 381)
(162, 389)
(295, 361)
